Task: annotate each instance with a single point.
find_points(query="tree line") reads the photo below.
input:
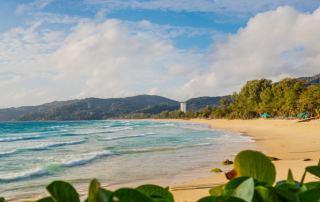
(286, 98)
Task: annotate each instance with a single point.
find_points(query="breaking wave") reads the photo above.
(12, 139)
(24, 174)
(84, 160)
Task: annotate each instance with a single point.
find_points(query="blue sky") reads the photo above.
(59, 50)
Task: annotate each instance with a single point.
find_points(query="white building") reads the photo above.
(183, 107)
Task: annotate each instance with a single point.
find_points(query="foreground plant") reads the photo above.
(251, 180)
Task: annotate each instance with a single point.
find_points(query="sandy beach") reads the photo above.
(284, 139)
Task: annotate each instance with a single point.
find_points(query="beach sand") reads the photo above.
(284, 139)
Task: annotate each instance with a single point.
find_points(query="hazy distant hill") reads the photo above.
(193, 104)
(96, 109)
(201, 102)
(158, 108)
(8, 114)
(312, 79)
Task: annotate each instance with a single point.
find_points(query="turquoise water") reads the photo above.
(32, 154)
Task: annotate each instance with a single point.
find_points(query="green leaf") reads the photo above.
(312, 195)
(303, 177)
(245, 190)
(284, 194)
(63, 192)
(263, 194)
(208, 199)
(220, 199)
(290, 179)
(256, 165)
(104, 195)
(2, 200)
(297, 190)
(285, 185)
(311, 185)
(93, 191)
(155, 191)
(315, 170)
(233, 184)
(216, 191)
(46, 199)
(129, 195)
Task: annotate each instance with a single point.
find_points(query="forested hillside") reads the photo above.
(8, 114)
(312, 79)
(201, 102)
(96, 109)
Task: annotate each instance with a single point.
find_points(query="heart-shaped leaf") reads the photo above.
(315, 170)
(245, 190)
(155, 191)
(220, 199)
(93, 191)
(284, 194)
(46, 199)
(63, 192)
(233, 184)
(263, 194)
(129, 195)
(312, 195)
(311, 185)
(216, 191)
(256, 165)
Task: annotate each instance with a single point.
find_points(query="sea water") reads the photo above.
(33, 154)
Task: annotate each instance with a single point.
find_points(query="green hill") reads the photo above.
(201, 102)
(96, 109)
(158, 108)
(312, 79)
(8, 114)
(193, 104)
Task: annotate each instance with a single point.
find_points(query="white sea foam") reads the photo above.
(12, 139)
(24, 174)
(116, 130)
(7, 153)
(204, 144)
(130, 136)
(43, 147)
(86, 158)
(110, 138)
(54, 127)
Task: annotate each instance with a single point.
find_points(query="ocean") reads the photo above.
(33, 154)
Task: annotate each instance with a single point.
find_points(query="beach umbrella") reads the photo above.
(265, 115)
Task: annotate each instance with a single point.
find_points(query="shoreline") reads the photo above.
(284, 139)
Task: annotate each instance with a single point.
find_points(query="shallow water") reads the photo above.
(32, 154)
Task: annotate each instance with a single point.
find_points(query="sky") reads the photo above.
(74, 49)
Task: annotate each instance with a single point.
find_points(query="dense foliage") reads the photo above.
(287, 98)
(251, 180)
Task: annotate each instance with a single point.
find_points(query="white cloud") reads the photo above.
(274, 44)
(57, 18)
(118, 58)
(38, 4)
